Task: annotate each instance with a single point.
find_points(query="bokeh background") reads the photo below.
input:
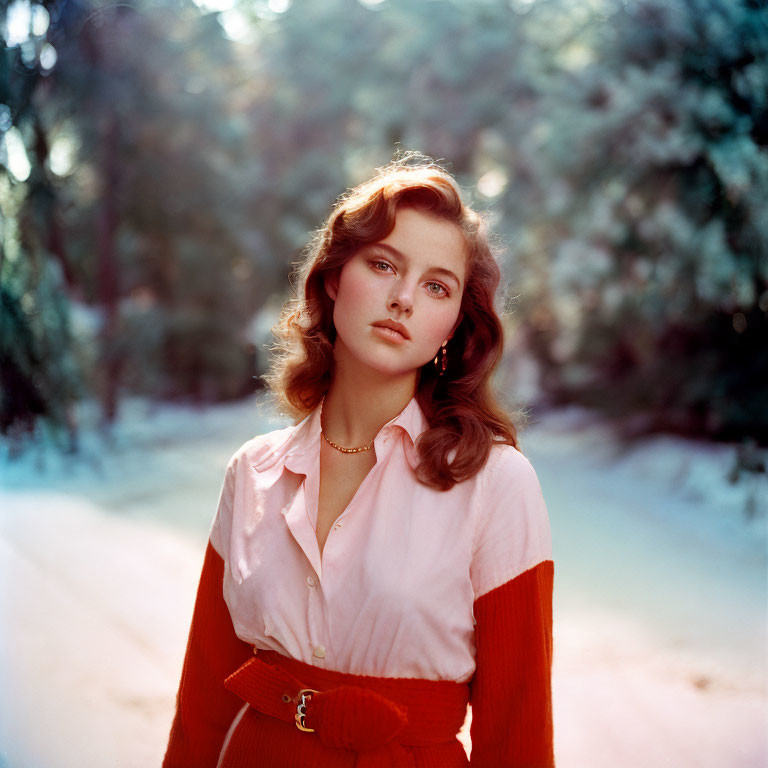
(162, 165)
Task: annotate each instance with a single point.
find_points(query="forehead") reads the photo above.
(428, 241)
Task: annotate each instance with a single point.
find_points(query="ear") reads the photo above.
(331, 282)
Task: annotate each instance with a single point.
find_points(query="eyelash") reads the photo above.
(446, 292)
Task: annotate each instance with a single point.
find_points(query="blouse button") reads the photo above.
(311, 581)
(337, 526)
(319, 652)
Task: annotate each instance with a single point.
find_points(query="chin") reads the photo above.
(380, 357)
(388, 367)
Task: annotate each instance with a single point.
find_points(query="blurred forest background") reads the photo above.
(163, 163)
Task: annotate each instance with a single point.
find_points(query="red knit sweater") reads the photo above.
(510, 690)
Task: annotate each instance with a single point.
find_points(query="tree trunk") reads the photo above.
(109, 276)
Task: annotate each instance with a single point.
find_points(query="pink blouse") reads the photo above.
(392, 595)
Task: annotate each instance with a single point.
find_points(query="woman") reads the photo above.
(387, 560)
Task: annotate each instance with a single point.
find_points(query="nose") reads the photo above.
(401, 299)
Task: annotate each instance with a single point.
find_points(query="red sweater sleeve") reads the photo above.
(511, 692)
(204, 708)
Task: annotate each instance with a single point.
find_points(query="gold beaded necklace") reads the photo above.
(334, 445)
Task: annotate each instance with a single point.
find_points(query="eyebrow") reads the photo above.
(400, 255)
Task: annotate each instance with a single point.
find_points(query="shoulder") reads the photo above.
(510, 487)
(262, 451)
(508, 469)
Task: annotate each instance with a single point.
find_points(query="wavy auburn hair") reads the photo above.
(461, 407)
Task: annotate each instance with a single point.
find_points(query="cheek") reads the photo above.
(353, 294)
(438, 325)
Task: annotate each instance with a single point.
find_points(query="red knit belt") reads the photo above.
(376, 716)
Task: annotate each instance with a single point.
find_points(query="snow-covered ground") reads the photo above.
(661, 617)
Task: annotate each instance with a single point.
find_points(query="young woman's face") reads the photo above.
(415, 276)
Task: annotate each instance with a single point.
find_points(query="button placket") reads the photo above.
(315, 616)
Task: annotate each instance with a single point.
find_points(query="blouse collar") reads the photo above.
(302, 446)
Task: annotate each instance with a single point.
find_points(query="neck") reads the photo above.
(360, 401)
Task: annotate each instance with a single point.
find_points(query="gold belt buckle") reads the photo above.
(303, 696)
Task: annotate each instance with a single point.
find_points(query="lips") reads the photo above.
(394, 326)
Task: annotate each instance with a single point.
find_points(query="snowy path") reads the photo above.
(660, 596)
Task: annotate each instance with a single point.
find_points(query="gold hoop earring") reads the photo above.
(443, 354)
